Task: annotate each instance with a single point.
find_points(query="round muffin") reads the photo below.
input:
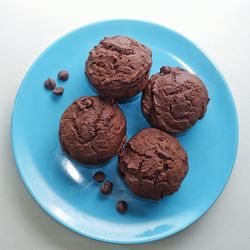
(174, 100)
(153, 164)
(92, 130)
(118, 67)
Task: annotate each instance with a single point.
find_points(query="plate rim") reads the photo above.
(18, 164)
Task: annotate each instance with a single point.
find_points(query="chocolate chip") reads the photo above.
(50, 84)
(106, 188)
(58, 90)
(99, 176)
(63, 75)
(88, 103)
(122, 206)
(165, 70)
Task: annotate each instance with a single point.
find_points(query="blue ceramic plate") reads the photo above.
(66, 191)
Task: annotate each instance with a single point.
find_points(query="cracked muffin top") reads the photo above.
(153, 164)
(174, 100)
(118, 64)
(92, 130)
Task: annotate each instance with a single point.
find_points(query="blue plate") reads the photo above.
(66, 191)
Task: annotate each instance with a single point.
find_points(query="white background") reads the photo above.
(221, 28)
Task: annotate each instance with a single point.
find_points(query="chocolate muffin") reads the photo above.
(92, 130)
(118, 67)
(153, 164)
(174, 100)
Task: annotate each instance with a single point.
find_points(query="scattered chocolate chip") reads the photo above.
(165, 70)
(106, 188)
(58, 90)
(50, 84)
(63, 75)
(122, 206)
(99, 176)
(88, 103)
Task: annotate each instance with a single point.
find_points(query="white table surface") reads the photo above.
(221, 28)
